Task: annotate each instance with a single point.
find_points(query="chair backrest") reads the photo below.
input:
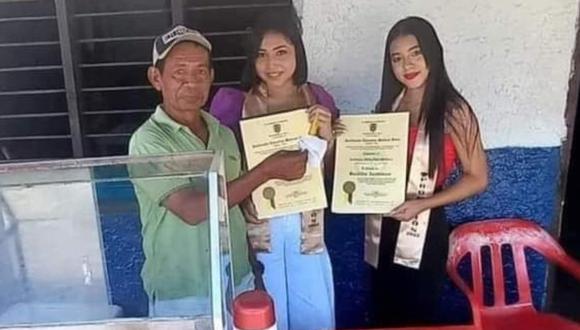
(519, 234)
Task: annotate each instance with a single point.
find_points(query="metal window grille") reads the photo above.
(73, 72)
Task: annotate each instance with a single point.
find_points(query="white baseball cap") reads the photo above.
(165, 42)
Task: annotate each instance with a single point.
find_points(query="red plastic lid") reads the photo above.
(254, 310)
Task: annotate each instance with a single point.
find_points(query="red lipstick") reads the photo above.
(411, 76)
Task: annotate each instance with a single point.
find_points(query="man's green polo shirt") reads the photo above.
(176, 254)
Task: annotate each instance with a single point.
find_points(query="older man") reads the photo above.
(175, 239)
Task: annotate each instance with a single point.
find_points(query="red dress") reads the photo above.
(449, 157)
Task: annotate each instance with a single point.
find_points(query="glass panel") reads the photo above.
(222, 299)
(82, 241)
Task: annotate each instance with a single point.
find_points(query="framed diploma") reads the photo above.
(370, 171)
(263, 136)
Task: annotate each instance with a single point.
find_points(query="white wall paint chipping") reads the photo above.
(511, 58)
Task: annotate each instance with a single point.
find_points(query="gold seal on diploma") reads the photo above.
(349, 187)
(269, 193)
(262, 137)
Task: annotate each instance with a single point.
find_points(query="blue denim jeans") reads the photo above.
(301, 285)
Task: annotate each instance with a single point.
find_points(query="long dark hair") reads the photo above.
(440, 98)
(287, 24)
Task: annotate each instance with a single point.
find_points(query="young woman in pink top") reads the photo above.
(297, 269)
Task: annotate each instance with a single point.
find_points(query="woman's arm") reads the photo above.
(466, 137)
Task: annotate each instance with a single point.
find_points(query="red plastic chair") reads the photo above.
(470, 238)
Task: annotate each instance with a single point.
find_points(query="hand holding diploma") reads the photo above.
(371, 163)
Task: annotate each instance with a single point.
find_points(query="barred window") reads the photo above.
(73, 77)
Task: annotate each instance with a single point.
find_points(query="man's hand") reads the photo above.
(249, 210)
(191, 206)
(285, 165)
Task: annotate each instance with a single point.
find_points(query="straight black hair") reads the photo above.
(287, 24)
(440, 97)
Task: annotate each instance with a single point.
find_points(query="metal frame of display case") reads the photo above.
(217, 202)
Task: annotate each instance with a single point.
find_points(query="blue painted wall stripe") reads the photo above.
(523, 185)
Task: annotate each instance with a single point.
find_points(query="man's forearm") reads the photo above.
(242, 187)
(192, 206)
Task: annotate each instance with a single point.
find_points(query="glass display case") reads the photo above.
(71, 249)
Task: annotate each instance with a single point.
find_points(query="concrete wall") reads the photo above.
(510, 59)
